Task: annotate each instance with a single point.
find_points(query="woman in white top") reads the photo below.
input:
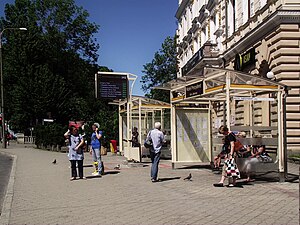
(75, 154)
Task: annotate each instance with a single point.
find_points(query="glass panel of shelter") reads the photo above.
(257, 117)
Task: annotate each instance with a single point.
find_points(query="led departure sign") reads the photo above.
(111, 86)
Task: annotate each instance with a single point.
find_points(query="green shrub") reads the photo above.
(50, 134)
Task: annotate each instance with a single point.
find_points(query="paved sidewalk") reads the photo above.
(43, 194)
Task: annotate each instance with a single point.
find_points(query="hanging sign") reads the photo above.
(197, 57)
(194, 89)
(253, 99)
(244, 60)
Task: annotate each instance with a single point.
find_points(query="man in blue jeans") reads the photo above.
(95, 149)
(158, 139)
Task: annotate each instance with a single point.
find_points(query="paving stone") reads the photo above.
(43, 194)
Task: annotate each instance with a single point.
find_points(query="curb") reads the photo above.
(7, 203)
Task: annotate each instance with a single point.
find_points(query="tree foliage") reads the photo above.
(49, 69)
(161, 70)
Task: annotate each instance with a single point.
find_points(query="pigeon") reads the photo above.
(189, 177)
(117, 167)
(54, 162)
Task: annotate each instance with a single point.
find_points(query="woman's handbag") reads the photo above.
(148, 142)
(231, 168)
(265, 159)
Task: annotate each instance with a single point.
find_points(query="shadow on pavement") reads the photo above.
(272, 176)
(168, 178)
(6, 163)
(93, 176)
(87, 165)
(292, 178)
(238, 185)
(105, 173)
(194, 167)
(246, 183)
(111, 172)
(147, 162)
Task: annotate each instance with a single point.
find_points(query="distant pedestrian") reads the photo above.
(8, 138)
(95, 149)
(135, 138)
(157, 137)
(75, 142)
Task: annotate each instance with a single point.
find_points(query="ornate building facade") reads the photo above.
(259, 37)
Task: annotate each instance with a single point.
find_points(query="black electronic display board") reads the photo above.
(112, 86)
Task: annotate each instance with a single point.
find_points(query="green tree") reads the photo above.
(50, 68)
(161, 70)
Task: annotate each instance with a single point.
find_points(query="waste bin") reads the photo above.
(114, 145)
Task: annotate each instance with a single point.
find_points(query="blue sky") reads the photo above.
(131, 31)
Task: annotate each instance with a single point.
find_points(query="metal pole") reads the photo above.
(228, 100)
(140, 129)
(120, 132)
(280, 150)
(210, 153)
(162, 120)
(128, 131)
(173, 132)
(140, 121)
(284, 134)
(251, 115)
(2, 96)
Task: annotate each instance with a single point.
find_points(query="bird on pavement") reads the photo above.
(117, 167)
(54, 162)
(188, 178)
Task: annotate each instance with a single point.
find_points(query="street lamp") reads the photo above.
(2, 95)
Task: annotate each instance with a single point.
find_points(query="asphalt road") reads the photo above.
(5, 168)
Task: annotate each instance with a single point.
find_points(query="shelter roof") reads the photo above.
(144, 101)
(214, 84)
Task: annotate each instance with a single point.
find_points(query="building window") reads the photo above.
(230, 17)
(191, 15)
(203, 35)
(213, 28)
(262, 3)
(251, 8)
(185, 25)
(245, 11)
(234, 19)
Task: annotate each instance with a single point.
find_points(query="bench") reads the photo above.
(261, 167)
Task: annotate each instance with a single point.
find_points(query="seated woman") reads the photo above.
(258, 154)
